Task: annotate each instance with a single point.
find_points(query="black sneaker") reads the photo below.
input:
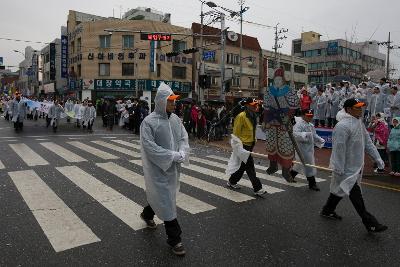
(376, 228)
(330, 215)
(314, 187)
(149, 223)
(179, 249)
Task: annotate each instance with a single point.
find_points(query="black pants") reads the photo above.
(172, 228)
(357, 200)
(331, 122)
(90, 125)
(250, 170)
(383, 154)
(48, 120)
(18, 125)
(395, 161)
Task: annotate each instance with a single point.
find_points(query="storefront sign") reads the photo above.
(64, 56)
(332, 48)
(52, 61)
(115, 84)
(143, 85)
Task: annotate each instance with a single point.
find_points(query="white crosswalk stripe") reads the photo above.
(128, 144)
(209, 187)
(122, 207)
(94, 151)
(183, 201)
(59, 223)
(2, 165)
(30, 157)
(62, 152)
(263, 168)
(259, 175)
(117, 148)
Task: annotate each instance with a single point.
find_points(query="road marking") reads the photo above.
(30, 157)
(128, 144)
(209, 187)
(118, 149)
(62, 152)
(2, 165)
(39, 139)
(223, 176)
(122, 207)
(259, 175)
(109, 137)
(183, 201)
(94, 151)
(60, 224)
(263, 168)
(381, 186)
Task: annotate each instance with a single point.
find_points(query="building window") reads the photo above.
(296, 47)
(178, 45)
(79, 45)
(236, 81)
(286, 66)
(233, 59)
(179, 72)
(299, 69)
(127, 41)
(252, 82)
(105, 41)
(104, 69)
(214, 80)
(72, 47)
(159, 69)
(128, 69)
(79, 70)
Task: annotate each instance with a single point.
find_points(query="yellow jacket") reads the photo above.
(244, 129)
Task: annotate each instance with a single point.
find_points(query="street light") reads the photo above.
(17, 51)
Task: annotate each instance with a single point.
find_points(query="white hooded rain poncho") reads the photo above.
(350, 139)
(306, 137)
(161, 137)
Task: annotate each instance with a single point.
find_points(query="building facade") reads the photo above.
(246, 84)
(296, 68)
(53, 82)
(107, 56)
(145, 13)
(336, 60)
(28, 82)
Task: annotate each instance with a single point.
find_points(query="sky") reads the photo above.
(40, 20)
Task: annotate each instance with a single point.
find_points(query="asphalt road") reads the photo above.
(64, 205)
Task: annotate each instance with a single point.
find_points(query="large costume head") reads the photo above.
(279, 78)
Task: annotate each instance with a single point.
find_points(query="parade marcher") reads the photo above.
(333, 102)
(245, 129)
(164, 146)
(377, 102)
(89, 116)
(18, 110)
(280, 105)
(395, 103)
(350, 141)
(55, 114)
(69, 107)
(394, 147)
(312, 93)
(78, 114)
(307, 138)
(320, 113)
(83, 108)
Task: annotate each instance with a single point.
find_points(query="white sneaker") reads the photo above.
(233, 186)
(260, 192)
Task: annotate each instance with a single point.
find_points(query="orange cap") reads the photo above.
(173, 97)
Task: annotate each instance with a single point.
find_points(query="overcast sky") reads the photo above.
(40, 20)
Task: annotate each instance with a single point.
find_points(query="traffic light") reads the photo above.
(204, 81)
(172, 54)
(190, 50)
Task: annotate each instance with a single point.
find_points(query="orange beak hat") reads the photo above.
(173, 97)
(353, 102)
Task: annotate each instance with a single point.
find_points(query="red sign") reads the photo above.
(155, 37)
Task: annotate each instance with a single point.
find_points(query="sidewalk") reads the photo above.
(322, 157)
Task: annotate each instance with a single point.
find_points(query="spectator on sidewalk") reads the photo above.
(381, 135)
(394, 147)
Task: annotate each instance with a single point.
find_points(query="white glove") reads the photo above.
(177, 157)
(381, 164)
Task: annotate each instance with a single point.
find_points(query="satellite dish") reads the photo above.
(232, 36)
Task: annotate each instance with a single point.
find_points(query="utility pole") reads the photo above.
(278, 38)
(388, 57)
(200, 93)
(222, 96)
(242, 10)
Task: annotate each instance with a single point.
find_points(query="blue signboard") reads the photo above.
(1, 61)
(64, 56)
(332, 48)
(325, 134)
(52, 61)
(208, 55)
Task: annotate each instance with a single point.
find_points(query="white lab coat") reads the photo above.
(77, 111)
(161, 137)
(306, 137)
(321, 103)
(350, 139)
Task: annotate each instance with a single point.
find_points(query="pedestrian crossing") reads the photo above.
(82, 162)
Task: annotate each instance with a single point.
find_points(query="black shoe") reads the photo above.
(149, 223)
(331, 215)
(273, 167)
(376, 228)
(179, 249)
(314, 187)
(288, 177)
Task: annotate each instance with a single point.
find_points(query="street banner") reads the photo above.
(325, 134)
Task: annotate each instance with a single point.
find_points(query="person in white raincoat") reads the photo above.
(320, 113)
(350, 140)
(78, 114)
(18, 109)
(164, 146)
(54, 114)
(306, 137)
(89, 116)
